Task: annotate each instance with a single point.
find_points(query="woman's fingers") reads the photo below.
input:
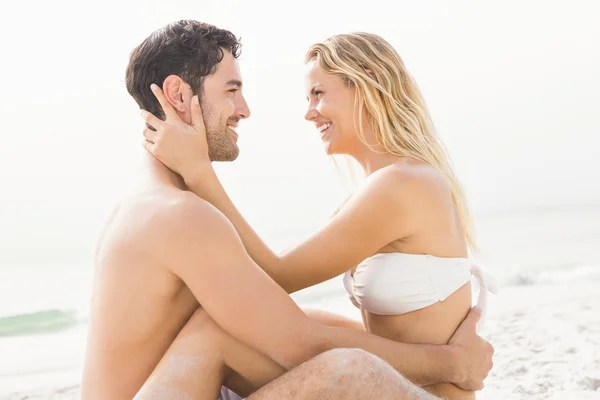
(150, 135)
(168, 109)
(151, 119)
(148, 146)
(197, 119)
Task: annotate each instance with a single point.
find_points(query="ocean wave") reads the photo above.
(565, 275)
(44, 321)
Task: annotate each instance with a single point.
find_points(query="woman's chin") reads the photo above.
(333, 150)
(330, 148)
(336, 145)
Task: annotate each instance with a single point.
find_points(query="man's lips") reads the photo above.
(232, 128)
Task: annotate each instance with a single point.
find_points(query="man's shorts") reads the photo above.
(227, 394)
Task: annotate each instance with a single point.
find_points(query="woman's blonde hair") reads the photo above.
(394, 106)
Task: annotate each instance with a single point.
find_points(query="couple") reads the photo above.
(190, 303)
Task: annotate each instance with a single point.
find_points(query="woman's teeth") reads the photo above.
(324, 127)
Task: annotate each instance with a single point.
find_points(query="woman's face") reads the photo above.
(331, 109)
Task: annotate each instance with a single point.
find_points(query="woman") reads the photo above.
(402, 239)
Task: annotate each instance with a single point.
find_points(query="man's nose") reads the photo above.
(241, 109)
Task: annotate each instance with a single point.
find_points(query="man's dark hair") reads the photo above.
(187, 48)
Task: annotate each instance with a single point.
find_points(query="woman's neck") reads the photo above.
(373, 158)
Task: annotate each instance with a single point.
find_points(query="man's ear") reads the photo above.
(175, 90)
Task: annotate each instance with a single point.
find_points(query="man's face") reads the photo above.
(223, 105)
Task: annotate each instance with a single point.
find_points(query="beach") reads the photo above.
(545, 336)
(547, 343)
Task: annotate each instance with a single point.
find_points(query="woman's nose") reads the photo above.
(311, 114)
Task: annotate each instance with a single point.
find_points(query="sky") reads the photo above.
(513, 88)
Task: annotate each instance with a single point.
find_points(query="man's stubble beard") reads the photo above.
(221, 146)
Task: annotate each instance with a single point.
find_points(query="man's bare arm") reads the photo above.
(202, 247)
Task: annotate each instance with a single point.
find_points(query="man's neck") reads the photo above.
(159, 173)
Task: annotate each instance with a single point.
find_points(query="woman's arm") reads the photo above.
(371, 219)
(332, 319)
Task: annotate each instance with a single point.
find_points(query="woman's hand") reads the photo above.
(180, 146)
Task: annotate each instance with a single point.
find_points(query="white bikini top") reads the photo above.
(398, 283)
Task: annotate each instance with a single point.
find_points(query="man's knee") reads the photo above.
(353, 361)
(363, 375)
(354, 355)
(344, 373)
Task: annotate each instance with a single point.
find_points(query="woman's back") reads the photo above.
(417, 288)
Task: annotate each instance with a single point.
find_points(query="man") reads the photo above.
(165, 253)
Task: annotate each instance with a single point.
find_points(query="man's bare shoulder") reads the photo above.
(148, 222)
(188, 215)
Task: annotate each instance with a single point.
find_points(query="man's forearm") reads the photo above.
(423, 364)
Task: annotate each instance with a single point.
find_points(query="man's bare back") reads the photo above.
(139, 306)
